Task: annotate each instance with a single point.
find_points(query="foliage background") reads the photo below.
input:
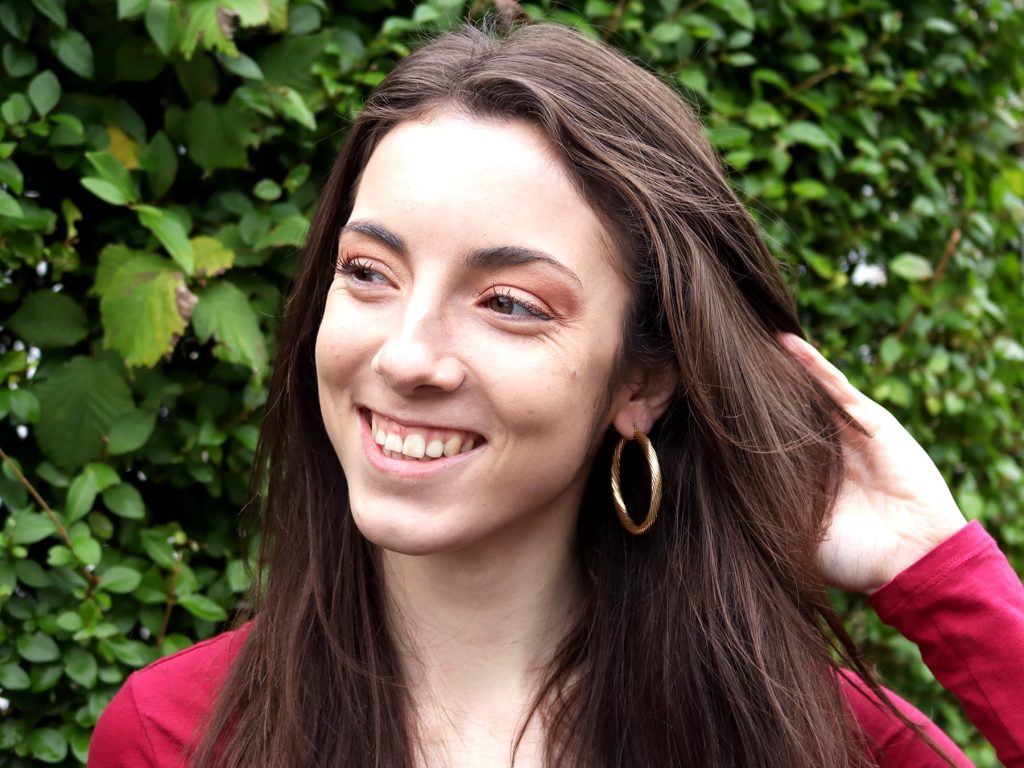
(159, 160)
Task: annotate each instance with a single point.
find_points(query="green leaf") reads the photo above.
(105, 191)
(202, 607)
(809, 189)
(53, 10)
(48, 745)
(125, 501)
(30, 528)
(738, 10)
(10, 174)
(130, 9)
(80, 666)
(158, 548)
(49, 320)
(223, 312)
(207, 22)
(79, 401)
(16, 109)
(911, 267)
(16, 18)
(73, 51)
(171, 233)
(130, 432)
(112, 171)
(37, 648)
(291, 231)
(217, 136)
(804, 132)
(9, 206)
(211, 256)
(163, 24)
(120, 579)
(267, 189)
(13, 677)
(241, 65)
(81, 496)
(139, 305)
(160, 162)
(19, 61)
(85, 547)
(44, 92)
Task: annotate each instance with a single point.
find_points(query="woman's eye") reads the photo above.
(504, 304)
(362, 272)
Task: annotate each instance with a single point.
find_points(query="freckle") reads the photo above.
(573, 373)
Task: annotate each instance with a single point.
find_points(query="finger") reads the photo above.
(832, 380)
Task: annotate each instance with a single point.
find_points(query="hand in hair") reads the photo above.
(894, 506)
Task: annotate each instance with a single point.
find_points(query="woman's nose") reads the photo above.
(417, 357)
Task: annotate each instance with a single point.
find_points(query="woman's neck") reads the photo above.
(476, 632)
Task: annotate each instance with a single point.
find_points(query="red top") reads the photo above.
(961, 603)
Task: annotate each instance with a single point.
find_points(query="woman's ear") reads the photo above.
(643, 400)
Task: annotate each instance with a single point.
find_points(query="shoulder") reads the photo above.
(161, 709)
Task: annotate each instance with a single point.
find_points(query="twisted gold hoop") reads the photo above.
(655, 470)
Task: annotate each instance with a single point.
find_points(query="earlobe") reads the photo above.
(646, 403)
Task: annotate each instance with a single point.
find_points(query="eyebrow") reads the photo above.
(481, 258)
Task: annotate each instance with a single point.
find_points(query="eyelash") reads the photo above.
(351, 265)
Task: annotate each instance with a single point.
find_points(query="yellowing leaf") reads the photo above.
(123, 148)
(211, 256)
(138, 306)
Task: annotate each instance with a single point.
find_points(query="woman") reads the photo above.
(526, 255)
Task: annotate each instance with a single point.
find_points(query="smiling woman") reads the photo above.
(526, 256)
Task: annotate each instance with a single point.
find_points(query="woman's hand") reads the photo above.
(894, 506)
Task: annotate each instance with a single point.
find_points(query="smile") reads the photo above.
(419, 443)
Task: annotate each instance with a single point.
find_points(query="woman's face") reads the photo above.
(466, 350)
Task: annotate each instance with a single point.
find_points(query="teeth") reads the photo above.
(434, 449)
(467, 446)
(451, 448)
(414, 446)
(393, 443)
(379, 437)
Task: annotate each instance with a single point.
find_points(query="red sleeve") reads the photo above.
(963, 605)
(120, 739)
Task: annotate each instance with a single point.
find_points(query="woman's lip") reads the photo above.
(404, 467)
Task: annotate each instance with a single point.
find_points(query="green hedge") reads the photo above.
(158, 164)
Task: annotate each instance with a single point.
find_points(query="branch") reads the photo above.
(940, 270)
(91, 577)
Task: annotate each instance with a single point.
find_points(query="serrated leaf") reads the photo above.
(171, 233)
(74, 52)
(225, 314)
(217, 136)
(130, 432)
(120, 579)
(204, 23)
(125, 501)
(81, 666)
(49, 320)
(202, 607)
(44, 92)
(212, 257)
(139, 307)
(79, 401)
(911, 267)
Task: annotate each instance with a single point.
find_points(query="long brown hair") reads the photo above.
(710, 640)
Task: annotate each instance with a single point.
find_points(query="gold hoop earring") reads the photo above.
(655, 470)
